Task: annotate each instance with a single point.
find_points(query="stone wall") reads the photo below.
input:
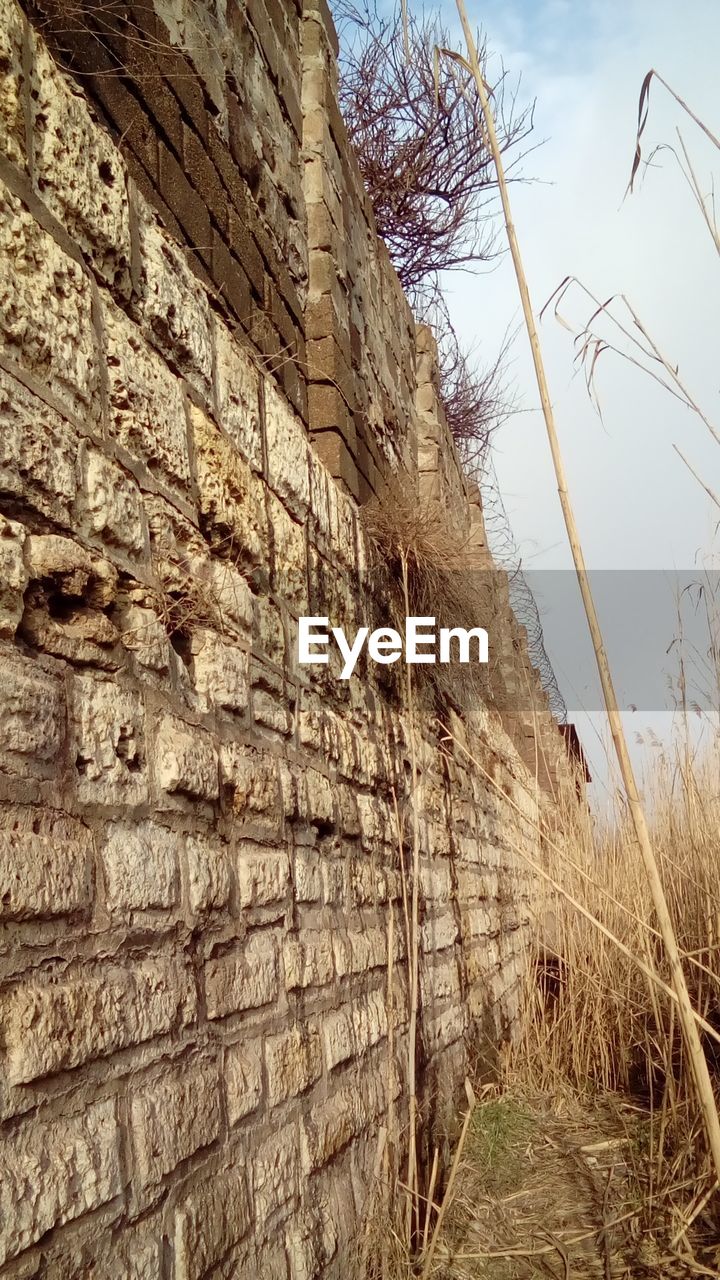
(199, 857)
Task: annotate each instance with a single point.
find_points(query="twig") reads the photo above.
(430, 1206)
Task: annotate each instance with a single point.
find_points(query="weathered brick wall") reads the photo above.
(198, 849)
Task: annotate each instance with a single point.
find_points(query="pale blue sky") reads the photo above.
(636, 505)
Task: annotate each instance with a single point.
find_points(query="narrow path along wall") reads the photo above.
(206, 367)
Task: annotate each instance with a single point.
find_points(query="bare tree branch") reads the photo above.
(421, 149)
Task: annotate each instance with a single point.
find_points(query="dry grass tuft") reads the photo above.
(598, 1023)
(447, 578)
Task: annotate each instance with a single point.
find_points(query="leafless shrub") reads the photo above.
(411, 116)
(413, 122)
(476, 399)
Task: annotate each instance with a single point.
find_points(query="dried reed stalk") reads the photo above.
(696, 1055)
(447, 1198)
(430, 1203)
(413, 1209)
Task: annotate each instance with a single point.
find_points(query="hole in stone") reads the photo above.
(126, 750)
(106, 173)
(180, 642)
(61, 607)
(324, 828)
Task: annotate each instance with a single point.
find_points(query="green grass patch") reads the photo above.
(499, 1134)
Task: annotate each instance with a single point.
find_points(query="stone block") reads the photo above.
(338, 1037)
(228, 592)
(268, 631)
(327, 364)
(442, 982)
(135, 1255)
(479, 921)
(276, 1175)
(173, 307)
(287, 453)
(214, 1216)
(46, 320)
(55, 1171)
(308, 959)
(289, 557)
(272, 712)
(331, 1125)
(13, 576)
(230, 497)
(369, 1019)
(51, 1028)
(250, 781)
(78, 171)
(293, 1061)
(108, 728)
(368, 884)
(349, 815)
(208, 873)
(65, 606)
(32, 717)
(445, 1029)
(243, 1080)
(171, 1119)
(144, 636)
(438, 932)
(308, 877)
(146, 407)
(12, 83)
(312, 1237)
(335, 456)
(329, 412)
(315, 801)
(110, 506)
(334, 876)
(237, 388)
(319, 521)
(38, 453)
(141, 867)
(45, 864)
(372, 827)
(343, 527)
(185, 761)
(435, 881)
(69, 570)
(263, 875)
(356, 952)
(244, 978)
(220, 672)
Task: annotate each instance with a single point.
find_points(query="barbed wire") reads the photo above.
(506, 555)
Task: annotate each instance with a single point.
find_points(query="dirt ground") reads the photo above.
(552, 1191)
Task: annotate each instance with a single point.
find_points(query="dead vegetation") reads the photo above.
(588, 1158)
(433, 570)
(533, 1199)
(413, 125)
(427, 169)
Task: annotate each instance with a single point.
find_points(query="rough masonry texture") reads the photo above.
(207, 368)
